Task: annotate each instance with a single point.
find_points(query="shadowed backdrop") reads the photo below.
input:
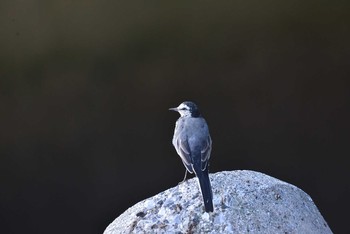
(85, 88)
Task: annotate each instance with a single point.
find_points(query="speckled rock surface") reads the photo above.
(244, 202)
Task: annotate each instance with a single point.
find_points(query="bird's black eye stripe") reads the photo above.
(183, 108)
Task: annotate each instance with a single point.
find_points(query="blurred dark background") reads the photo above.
(85, 86)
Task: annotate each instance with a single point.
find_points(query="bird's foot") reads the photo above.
(184, 180)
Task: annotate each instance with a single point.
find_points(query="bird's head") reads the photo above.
(187, 109)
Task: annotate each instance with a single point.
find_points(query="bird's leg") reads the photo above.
(184, 177)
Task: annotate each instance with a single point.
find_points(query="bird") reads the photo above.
(193, 144)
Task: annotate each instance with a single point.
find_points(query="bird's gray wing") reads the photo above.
(183, 149)
(205, 152)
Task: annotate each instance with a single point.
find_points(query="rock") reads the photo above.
(244, 202)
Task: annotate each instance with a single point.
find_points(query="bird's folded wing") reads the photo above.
(205, 153)
(183, 149)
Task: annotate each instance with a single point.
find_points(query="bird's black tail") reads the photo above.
(204, 183)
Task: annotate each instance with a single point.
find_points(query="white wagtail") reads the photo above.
(193, 143)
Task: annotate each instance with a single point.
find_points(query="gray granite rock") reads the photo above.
(244, 202)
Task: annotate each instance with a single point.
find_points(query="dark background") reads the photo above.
(85, 86)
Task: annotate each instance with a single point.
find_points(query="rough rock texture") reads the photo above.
(244, 202)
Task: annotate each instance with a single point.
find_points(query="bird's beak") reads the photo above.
(173, 109)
